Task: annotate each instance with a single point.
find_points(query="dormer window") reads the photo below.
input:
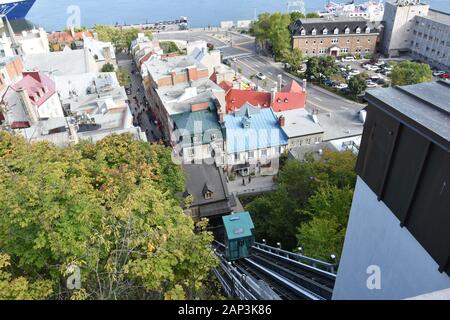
(336, 31)
(278, 100)
(313, 32)
(303, 32)
(358, 30)
(325, 31)
(347, 30)
(207, 192)
(367, 30)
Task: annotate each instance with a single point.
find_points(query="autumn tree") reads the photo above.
(409, 72)
(108, 209)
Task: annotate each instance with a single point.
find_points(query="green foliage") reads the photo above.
(122, 77)
(325, 66)
(20, 288)
(108, 208)
(273, 28)
(295, 15)
(108, 67)
(121, 38)
(294, 58)
(357, 84)
(169, 47)
(310, 15)
(324, 234)
(278, 215)
(408, 72)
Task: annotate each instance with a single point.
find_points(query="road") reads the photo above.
(249, 63)
(318, 98)
(141, 116)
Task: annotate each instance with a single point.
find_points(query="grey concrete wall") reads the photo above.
(374, 237)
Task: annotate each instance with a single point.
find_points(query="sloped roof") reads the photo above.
(263, 130)
(236, 98)
(38, 86)
(238, 225)
(319, 24)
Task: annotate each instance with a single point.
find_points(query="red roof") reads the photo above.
(237, 98)
(20, 125)
(225, 85)
(38, 86)
(290, 97)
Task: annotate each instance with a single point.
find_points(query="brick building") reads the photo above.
(340, 36)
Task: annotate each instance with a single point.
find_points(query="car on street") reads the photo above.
(348, 59)
(341, 86)
(438, 73)
(261, 76)
(445, 76)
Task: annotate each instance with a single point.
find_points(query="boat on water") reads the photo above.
(15, 9)
(371, 10)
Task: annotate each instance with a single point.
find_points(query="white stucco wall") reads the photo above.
(51, 108)
(374, 237)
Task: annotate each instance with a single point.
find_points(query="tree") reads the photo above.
(278, 215)
(121, 38)
(325, 66)
(408, 72)
(324, 234)
(122, 77)
(294, 58)
(310, 15)
(279, 35)
(169, 47)
(107, 208)
(20, 288)
(357, 85)
(295, 15)
(108, 67)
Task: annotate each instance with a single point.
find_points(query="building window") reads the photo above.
(344, 50)
(213, 137)
(367, 50)
(264, 153)
(358, 30)
(303, 32)
(336, 31)
(368, 40)
(321, 40)
(347, 30)
(313, 32)
(348, 40)
(367, 30)
(251, 154)
(335, 40)
(322, 50)
(325, 31)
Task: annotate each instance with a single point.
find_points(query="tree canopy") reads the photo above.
(121, 38)
(107, 208)
(325, 66)
(409, 72)
(287, 215)
(357, 84)
(169, 47)
(108, 67)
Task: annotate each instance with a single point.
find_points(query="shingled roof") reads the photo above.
(319, 24)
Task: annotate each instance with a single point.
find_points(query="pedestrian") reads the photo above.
(243, 181)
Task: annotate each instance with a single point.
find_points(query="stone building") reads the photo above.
(339, 36)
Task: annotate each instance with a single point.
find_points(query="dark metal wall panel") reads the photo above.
(429, 217)
(404, 171)
(378, 139)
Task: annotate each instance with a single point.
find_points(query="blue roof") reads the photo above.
(238, 225)
(252, 128)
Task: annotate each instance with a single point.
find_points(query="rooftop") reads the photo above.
(298, 123)
(340, 23)
(38, 86)
(252, 128)
(178, 98)
(161, 68)
(341, 124)
(62, 62)
(439, 16)
(425, 106)
(238, 225)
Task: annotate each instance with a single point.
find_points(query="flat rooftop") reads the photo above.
(425, 106)
(439, 16)
(163, 67)
(298, 123)
(341, 124)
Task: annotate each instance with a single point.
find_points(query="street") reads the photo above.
(141, 116)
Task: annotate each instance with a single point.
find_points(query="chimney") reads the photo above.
(281, 121)
(304, 85)
(273, 94)
(72, 31)
(172, 76)
(280, 82)
(30, 109)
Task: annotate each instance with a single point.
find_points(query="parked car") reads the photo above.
(328, 82)
(372, 68)
(445, 76)
(260, 76)
(438, 73)
(354, 72)
(348, 59)
(341, 86)
(371, 84)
